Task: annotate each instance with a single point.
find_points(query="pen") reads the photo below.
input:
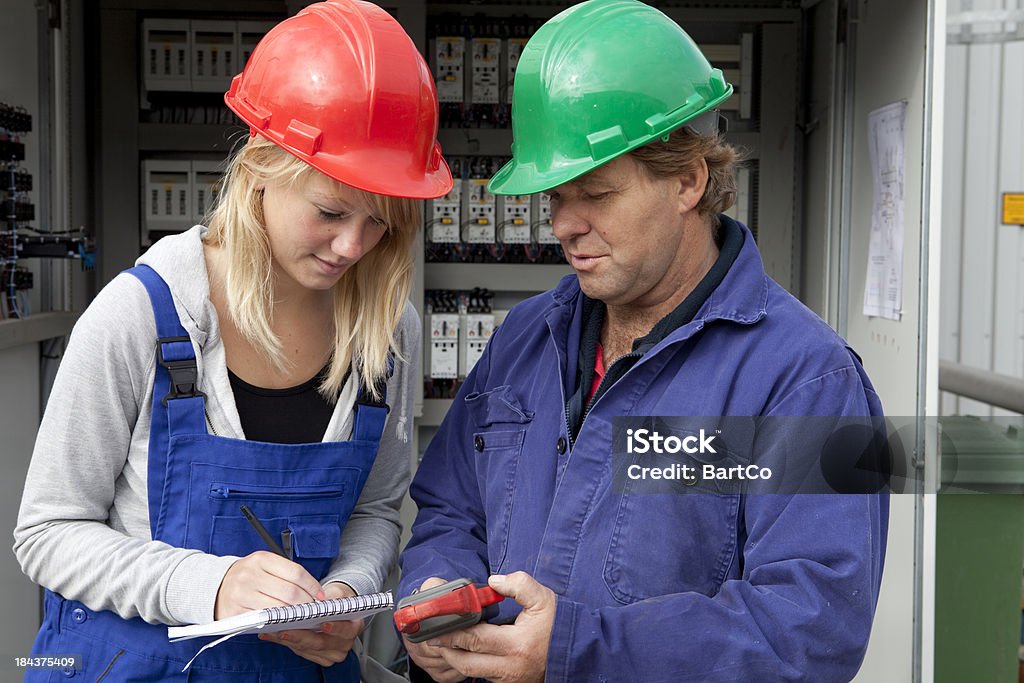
(286, 543)
(261, 530)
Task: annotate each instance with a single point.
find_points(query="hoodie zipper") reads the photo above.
(209, 422)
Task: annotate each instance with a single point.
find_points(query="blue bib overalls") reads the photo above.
(196, 483)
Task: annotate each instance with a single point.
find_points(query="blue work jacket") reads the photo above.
(658, 587)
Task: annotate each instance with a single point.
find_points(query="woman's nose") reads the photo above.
(350, 243)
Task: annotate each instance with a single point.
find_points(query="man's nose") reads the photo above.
(567, 223)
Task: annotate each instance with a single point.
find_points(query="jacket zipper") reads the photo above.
(597, 394)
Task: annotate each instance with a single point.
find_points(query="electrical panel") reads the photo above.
(458, 325)
(177, 194)
(196, 55)
(20, 239)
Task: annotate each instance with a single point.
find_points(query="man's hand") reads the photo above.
(428, 657)
(329, 646)
(515, 653)
(264, 579)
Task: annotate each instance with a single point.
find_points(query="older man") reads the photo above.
(670, 312)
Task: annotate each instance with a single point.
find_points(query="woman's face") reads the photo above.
(317, 229)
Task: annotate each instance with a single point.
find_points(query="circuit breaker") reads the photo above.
(444, 345)
(516, 224)
(249, 34)
(446, 217)
(486, 58)
(449, 56)
(206, 177)
(514, 49)
(482, 207)
(214, 55)
(476, 330)
(167, 59)
(167, 195)
(545, 233)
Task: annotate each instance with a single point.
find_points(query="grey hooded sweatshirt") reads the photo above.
(83, 528)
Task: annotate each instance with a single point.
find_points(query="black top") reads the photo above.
(730, 241)
(293, 415)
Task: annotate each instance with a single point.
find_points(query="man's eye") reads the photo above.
(598, 196)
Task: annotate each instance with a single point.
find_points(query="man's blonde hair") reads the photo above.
(682, 152)
(368, 299)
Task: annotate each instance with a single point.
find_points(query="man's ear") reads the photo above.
(692, 185)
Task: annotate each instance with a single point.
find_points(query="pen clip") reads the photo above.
(286, 544)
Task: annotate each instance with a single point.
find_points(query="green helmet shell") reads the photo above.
(596, 81)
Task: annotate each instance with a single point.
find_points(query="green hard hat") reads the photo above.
(596, 81)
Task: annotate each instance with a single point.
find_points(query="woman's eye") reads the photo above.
(331, 216)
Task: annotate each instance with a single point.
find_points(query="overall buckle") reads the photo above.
(184, 373)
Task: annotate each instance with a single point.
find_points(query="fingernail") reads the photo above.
(284, 636)
(326, 628)
(262, 636)
(321, 595)
(497, 580)
(434, 643)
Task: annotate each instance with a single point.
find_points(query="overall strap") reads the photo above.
(371, 413)
(178, 405)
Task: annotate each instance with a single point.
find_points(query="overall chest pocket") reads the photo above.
(501, 425)
(313, 513)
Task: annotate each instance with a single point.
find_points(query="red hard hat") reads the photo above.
(341, 86)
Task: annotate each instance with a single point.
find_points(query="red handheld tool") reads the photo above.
(454, 605)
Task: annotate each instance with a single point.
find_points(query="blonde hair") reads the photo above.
(682, 152)
(368, 299)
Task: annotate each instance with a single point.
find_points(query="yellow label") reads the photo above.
(1013, 208)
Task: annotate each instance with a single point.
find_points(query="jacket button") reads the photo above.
(68, 672)
(478, 442)
(561, 445)
(78, 615)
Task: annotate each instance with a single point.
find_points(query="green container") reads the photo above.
(979, 553)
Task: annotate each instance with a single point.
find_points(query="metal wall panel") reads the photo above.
(983, 260)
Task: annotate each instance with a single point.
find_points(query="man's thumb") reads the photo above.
(519, 586)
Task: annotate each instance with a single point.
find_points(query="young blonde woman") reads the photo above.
(265, 361)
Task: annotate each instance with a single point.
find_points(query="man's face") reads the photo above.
(622, 232)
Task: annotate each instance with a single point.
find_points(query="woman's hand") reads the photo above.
(334, 640)
(264, 579)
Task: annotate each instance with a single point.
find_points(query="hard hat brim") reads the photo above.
(516, 178)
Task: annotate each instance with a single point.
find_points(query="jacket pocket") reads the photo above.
(501, 424)
(670, 536)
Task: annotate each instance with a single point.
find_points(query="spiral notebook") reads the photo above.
(307, 615)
